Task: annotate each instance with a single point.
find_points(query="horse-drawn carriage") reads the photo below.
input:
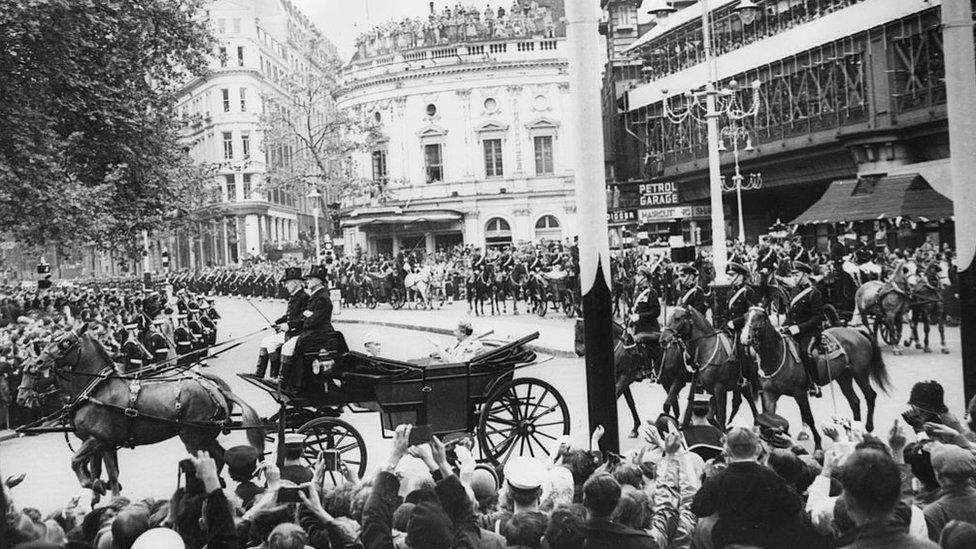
(482, 397)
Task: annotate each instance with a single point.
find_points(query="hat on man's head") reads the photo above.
(524, 473)
(953, 461)
(292, 273)
(371, 337)
(929, 396)
(242, 459)
(317, 271)
(686, 269)
(294, 439)
(484, 481)
(802, 267)
(430, 527)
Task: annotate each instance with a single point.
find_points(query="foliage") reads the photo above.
(309, 142)
(89, 148)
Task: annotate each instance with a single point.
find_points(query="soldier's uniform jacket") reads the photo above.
(134, 354)
(693, 296)
(505, 262)
(209, 329)
(767, 260)
(535, 264)
(806, 312)
(739, 303)
(157, 345)
(196, 332)
(647, 306)
(477, 262)
(293, 316)
(838, 251)
(801, 254)
(864, 253)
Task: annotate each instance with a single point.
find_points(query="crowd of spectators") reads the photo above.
(677, 51)
(459, 24)
(752, 487)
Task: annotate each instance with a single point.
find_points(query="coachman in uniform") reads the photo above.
(316, 328)
(804, 320)
(289, 325)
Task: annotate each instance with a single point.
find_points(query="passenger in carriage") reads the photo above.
(465, 348)
(289, 325)
(372, 344)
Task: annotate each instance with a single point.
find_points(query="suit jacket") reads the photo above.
(603, 533)
(318, 312)
(806, 311)
(293, 315)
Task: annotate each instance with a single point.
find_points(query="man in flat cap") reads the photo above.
(955, 469)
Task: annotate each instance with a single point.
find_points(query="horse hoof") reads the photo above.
(633, 434)
(927, 349)
(917, 345)
(945, 351)
(98, 487)
(897, 352)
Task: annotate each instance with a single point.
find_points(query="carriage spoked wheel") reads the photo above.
(328, 433)
(524, 416)
(397, 298)
(884, 330)
(370, 300)
(541, 305)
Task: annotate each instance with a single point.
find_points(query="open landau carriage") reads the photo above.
(482, 397)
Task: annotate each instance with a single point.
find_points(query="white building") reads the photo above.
(259, 43)
(475, 145)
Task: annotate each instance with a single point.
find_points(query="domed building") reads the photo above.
(472, 109)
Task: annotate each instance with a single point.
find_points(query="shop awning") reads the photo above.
(360, 219)
(907, 196)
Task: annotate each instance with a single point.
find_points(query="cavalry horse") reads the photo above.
(717, 370)
(109, 410)
(479, 289)
(417, 284)
(856, 358)
(927, 304)
(887, 302)
(502, 289)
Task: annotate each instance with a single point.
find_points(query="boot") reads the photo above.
(274, 359)
(811, 368)
(284, 377)
(262, 364)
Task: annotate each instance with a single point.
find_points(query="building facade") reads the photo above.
(472, 112)
(852, 94)
(259, 43)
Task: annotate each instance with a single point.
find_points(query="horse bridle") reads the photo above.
(756, 342)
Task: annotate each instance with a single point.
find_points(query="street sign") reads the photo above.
(658, 215)
(622, 216)
(658, 194)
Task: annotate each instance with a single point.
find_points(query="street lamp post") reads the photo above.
(316, 199)
(735, 133)
(716, 104)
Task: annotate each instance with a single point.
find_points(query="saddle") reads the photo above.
(828, 350)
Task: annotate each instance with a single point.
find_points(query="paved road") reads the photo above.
(151, 471)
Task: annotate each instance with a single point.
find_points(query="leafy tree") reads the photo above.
(308, 141)
(89, 148)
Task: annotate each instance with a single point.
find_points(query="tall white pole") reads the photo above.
(960, 63)
(145, 250)
(585, 66)
(318, 237)
(738, 190)
(720, 253)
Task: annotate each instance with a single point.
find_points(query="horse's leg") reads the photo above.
(940, 318)
(671, 402)
(111, 456)
(632, 406)
(79, 461)
(870, 395)
(721, 400)
(806, 415)
(736, 401)
(927, 326)
(846, 383)
(913, 338)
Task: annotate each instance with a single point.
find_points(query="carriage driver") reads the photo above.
(288, 326)
(804, 320)
(316, 326)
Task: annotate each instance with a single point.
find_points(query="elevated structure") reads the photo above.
(472, 112)
(851, 90)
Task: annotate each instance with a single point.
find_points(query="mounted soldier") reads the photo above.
(645, 325)
(288, 326)
(804, 320)
(743, 296)
(690, 292)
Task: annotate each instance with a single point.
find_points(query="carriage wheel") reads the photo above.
(887, 334)
(522, 416)
(569, 304)
(397, 298)
(371, 300)
(327, 433)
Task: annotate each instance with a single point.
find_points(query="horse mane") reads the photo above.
(99, 348)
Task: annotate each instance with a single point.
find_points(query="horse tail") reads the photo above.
(877, 369)
(251, 420)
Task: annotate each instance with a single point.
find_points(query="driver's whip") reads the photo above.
(255, 307)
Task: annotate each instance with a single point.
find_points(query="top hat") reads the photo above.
(292, 273)
(317, 271)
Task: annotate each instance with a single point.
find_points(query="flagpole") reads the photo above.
(583, 40)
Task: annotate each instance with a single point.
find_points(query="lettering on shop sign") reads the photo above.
(658, 194)
(622, 215)
(677, 212)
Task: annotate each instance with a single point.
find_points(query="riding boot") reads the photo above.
(274, 359)
(284, 377)
(810, 365)
(262, 364)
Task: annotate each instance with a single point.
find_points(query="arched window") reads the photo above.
(547, 227)
(497, 232)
